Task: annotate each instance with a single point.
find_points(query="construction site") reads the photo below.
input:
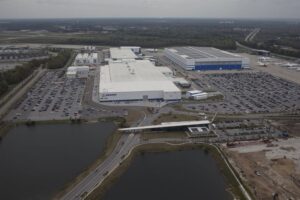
(270, 168)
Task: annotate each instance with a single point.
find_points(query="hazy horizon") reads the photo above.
(155, 18)
(219, 9)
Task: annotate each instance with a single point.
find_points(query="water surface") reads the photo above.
(186, 175)
(35, 162)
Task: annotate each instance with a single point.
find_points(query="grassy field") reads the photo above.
(179, 107)
(153, 135)
(118, 121)
(170, 117)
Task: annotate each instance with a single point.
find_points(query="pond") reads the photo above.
(36, 162)
(191, 175)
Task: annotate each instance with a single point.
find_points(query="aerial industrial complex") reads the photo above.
(169, 97)
(127, 79)
(205, 58)
(116, 108)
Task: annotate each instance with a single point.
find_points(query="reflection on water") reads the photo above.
(35, 162)
(190, 175)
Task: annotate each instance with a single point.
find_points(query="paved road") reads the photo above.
(251, 36)
(97, 176)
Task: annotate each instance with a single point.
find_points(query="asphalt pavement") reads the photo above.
(97, 176)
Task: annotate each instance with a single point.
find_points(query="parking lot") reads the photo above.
(235, 130)
(249, 93)
(53, 97)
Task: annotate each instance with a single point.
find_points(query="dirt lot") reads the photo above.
(269, 169)
(292, 127)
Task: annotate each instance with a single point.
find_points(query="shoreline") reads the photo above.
(4, 129)
(232, 188)
(110, 143)
(6, 126)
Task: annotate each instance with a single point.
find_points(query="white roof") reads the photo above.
(194, 91)
(165, 69)
(167, 125)
(180, 80)
(122, 53)
(77, 68)
(200, 94)
(138, 75)
(202, 54)
(79, 56)
(71, 72)
(130, 47)
(86, 56)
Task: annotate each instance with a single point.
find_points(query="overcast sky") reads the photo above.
(150, 8)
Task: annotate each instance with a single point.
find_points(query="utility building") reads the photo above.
(135, 80)
(205, 58)
(83, 59)
(78, 72)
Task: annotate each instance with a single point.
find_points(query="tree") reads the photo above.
(3, 85)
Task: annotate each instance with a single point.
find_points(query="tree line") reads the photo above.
(272, 48)
(14, 76)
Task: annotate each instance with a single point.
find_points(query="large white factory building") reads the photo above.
(135, 80)
(205, 58)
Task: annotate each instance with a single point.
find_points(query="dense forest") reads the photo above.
(14, 76)
(60, 60)
(278, 36)
(146, 41)
(141, 32)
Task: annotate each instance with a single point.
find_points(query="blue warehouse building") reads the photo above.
(205, 58)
